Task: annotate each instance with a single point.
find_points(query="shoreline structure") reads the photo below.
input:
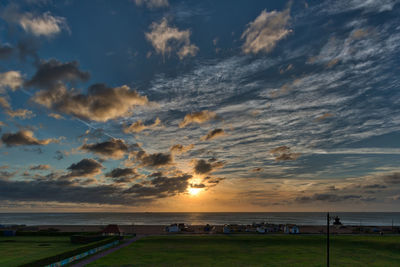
(239, 229)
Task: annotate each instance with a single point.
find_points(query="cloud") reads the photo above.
(121, 172)
(332, 63)
(123, 175)
(44, 25)
(179, 149)
(197, 117)
(24, 137)
(85, 167)
(154, 160)
(4, 103)
(395, 197)
(213, 134)
(198, 186)
(113, 148)
(212, 181)
(10, 79)
(56, 116)
(59, 155)
(279, 149)
(374, 186)
(327, 198)
(203, 167)
(38, 25)
(139, 126)
(162, 186)
(65, 191)
(152, 3)
(166, 39)
(287, 156)
(324, 116)
(392, 179)
(5, 175)
(20, 113)
(40, 167)
(101, 103)
(265, 31)
(51, 188)
(52, 73)
(283, 153)
(375, 6)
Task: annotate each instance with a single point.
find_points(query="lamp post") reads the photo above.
(327, 239)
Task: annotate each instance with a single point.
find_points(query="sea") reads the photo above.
(199, 218)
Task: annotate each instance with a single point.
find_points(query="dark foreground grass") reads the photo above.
(19, 250)
(272, 250)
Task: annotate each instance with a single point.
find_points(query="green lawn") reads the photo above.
(18, 250)
(257, 250)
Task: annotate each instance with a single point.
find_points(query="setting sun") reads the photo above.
(194, 191)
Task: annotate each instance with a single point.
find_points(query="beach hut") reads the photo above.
(286, 229)
(111, 230)
(261, 230)
(295, 230)
(173, 228)
(226, 229)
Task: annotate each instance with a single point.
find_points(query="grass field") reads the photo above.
(23, 249)
(277, 250)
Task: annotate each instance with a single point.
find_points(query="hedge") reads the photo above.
(68, 254)
(51, 233)
(86, 239)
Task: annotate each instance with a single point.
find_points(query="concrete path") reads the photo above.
(105, 253)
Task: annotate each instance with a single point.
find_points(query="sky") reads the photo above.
(185, 105)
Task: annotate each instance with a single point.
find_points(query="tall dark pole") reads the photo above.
(327, 239)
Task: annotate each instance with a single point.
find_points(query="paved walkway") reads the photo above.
(105, 253)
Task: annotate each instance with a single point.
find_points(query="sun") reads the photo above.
(194, 191)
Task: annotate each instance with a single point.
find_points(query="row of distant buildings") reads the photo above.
(227, 228)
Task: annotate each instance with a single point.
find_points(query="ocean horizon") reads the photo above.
(197, 218)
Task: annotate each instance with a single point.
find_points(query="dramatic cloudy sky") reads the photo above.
(186, 105)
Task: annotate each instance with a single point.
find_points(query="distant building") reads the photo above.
(261, 230)
(295, 230)
(291, 229)
(226, 229)
(112, 229)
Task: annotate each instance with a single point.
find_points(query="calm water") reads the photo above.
(300, 218)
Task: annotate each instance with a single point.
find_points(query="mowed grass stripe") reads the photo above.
(276, 250)
(19, 250)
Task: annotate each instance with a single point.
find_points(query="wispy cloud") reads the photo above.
(44, 24)
(167, 39)
(152, 3)
(265, 31)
